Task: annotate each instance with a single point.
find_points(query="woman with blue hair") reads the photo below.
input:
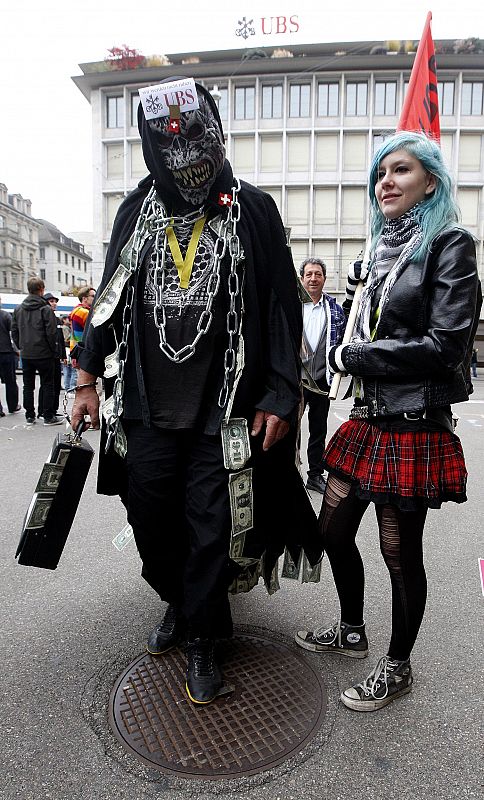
(409, 357)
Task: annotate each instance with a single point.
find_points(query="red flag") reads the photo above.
(420, 110)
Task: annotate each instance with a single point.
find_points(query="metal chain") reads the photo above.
(233, 321)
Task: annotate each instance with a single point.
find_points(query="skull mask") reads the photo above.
(195, 155)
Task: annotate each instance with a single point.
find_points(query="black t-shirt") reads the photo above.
(180, 395)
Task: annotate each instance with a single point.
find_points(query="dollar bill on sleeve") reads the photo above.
(109, 297)
(123, 537)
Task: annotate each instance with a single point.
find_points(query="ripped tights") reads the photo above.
(401, 534)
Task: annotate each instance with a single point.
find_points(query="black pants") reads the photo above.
(57, 389)
(401, 535)
(178, 506)
(46, 369)
(8, 377)
(318, 407)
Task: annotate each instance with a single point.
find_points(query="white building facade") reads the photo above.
(18, 242)
(302, 125)
(63, 262)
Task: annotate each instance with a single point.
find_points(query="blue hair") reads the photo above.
(437, 211)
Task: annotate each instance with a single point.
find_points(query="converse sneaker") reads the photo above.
(349, 640)
(389, 679)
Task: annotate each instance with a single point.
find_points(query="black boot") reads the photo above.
(166, 635)
(204, 678)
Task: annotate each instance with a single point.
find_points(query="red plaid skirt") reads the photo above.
(406, 468)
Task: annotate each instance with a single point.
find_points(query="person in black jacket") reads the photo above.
(196, 329)
(409, 357)
(34, 332)
(60, 361)
(8, 360)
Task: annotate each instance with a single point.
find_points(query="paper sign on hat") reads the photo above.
(156, 100)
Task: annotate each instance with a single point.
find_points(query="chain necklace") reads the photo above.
(153, 221)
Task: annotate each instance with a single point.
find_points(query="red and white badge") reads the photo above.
(224, 199)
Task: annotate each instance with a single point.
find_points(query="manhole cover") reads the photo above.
(278, 705)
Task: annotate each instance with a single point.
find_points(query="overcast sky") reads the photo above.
(45, 124)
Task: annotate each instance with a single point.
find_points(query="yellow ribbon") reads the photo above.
(184, 265)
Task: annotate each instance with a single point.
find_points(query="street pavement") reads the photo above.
(67, 634)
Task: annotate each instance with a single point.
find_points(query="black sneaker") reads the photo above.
(54, 421)
(30, 420)
(316, 483)
(349, 640)
(389, 679)
(166, 635)
(204, 679)
(2, 413)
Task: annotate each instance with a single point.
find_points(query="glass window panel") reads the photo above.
(445, 91)
(244, 102)
(299, 249)
(446, 145)
(326, 249)
(271, 102)
(353, 205)
(470, 147)
(468, 200)
(325, 203)
(356, 98)
(298, 153)
(276, 194)
(299, 100)
(354, 151)
(115, 160)
(113, 201)
(385, 97)
(270, 153)
(115, 112)
(297, 206)
(328, 99)
(327, 152)
(378, 139)
(243, 154)
(223, 103)
(472, 98)
(349, 251)
(134, 109)
(138, 166)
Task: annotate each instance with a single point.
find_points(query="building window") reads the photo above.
(470, 152)
(356, 99)
(42, 274)
(4, 249)
(445, 91)
(298, 153)
(115, 160)
(5, 279)
(115, 112)
(58, 255)
(2, 222)
(134, 109)
(299, 100)
(244, 102)
(385, 98)
(472, 98)
(42, 254)
(85, 267)
(378, 139)
(66, 258)
(78, 263)
(328, 99)
(66, 279)
(270, 153)
(73, 280)
(14, 280)
(243, 154)
(59, 279)
(271, 102)
(354, 152)
(223, 104)
(138, 166)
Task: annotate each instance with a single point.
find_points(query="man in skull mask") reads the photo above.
(196, 330)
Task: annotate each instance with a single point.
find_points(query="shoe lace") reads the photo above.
(378, 678)
(169, 620)
(333, 631)
(201, 655)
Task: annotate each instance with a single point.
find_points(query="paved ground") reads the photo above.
(67, 634)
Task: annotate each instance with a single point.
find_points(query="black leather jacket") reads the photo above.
(421, 353)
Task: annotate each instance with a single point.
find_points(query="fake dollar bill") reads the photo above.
(123, 537)
(235, 443)
(289, 568)
(49, 478)
(241, 501)
(111, 364)
(109, 297)
(310, 574)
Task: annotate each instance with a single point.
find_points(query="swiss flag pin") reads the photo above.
(174, 126)
(224, 199)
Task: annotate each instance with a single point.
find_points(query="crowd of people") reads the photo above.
(209, 358)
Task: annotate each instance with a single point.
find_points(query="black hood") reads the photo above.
(161, 176)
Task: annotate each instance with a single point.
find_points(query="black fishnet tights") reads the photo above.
(401, 546)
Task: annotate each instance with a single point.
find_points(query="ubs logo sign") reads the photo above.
(267, 26)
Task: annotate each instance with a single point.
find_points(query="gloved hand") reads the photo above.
(357, 271)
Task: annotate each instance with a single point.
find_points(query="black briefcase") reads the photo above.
(53, 507)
